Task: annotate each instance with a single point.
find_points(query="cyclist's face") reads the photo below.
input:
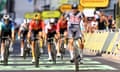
(36, 21)
(74, 10)
(6, 21)
(51, 24)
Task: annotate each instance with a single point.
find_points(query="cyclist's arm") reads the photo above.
(0, 28)
(13, 31)
(30, 29)
(58, 26)
(20, 29)
(46, 28)
(43, 26)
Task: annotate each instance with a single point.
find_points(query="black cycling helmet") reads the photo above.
(74, 6)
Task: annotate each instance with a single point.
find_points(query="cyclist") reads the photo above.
(62, 29)
(6, 29)
(50, 30)
(74, 18)
(36, 27)
(23, 31)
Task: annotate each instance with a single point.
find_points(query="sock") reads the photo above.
(11, 45)
(80, 53)
(71, 54)
(49, 54)
(2, 55)
(22, 51)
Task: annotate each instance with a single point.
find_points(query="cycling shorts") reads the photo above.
(35, 33)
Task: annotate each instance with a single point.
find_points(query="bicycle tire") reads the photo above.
(6, 53)
(53, 53)
(75, 59)
(24, 53)
(37, 53)
(62, 50)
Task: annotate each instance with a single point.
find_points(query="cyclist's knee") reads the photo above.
(71, 41)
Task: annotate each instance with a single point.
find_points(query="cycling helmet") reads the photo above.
(36, 16)
(52, 21)
(6, 16)
(74, 6)
(26, 21)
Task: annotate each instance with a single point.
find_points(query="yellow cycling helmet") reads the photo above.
(36, 16)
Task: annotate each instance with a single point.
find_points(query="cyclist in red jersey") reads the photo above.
(50, 30)
(62, 31)
(36, 27)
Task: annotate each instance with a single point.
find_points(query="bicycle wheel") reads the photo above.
(53, 52)
(6, 53)
(76, 55)
(62, 50)
(25, 50)
(37, 54)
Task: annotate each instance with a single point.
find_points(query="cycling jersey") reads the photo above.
(6, 27)
(24, 30)
(49, 29)
(61, 25)
(74, 20)
(34, 26)
(24, 27)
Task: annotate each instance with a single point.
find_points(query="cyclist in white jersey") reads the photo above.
(74, 18)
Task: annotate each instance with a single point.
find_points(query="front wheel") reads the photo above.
(37, 54)
(6, 53)
(53, 53)
(76, 61)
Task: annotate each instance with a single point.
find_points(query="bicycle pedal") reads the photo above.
(72, 61)
(58, 56)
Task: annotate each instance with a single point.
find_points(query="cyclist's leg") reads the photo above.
(70, 44)
(48, 45)
(41, 35)
(81, 45)
(57, 37)
(65, 38)
(3, 34)
(2, 49)
(32, 35)
(22, 43)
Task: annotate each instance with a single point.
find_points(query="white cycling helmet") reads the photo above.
(6, 16)
(26, 21)
(52, 20)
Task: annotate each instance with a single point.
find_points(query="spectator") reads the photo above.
(102, 22)
(94, 25)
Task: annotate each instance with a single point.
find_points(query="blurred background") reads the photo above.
(18, 8)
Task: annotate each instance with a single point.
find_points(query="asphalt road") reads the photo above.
(91, 64)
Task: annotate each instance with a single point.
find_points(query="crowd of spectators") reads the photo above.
(100, 22)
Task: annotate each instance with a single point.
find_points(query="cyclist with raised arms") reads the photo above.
(36, 27)
(74, 18)
(6, 29)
